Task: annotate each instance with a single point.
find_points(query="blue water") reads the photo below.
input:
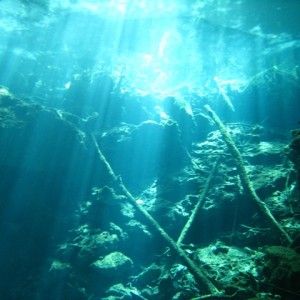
(135, 75)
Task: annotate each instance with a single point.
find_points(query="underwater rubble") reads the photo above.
(124, 239)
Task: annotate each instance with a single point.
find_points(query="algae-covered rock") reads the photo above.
(281, 253)
(282, 267)
(111, 269)
(115, 265)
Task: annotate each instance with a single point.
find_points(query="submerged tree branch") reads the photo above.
(200, 277)
(198, 205)
(246, 183)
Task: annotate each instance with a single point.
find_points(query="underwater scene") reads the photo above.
(149, 149)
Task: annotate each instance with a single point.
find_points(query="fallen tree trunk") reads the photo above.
(200, 277)
(246, 183)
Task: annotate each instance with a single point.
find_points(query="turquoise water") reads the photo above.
(102, 111)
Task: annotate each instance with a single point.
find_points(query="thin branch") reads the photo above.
(197, 207)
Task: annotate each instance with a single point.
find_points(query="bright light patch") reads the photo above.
(139, 201)
(67, 85)
(119, 6)
(148, 58)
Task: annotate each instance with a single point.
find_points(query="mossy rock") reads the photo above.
(281, 253)
(282, 267)
(115, 266)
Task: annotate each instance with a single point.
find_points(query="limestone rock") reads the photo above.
(115, 265)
